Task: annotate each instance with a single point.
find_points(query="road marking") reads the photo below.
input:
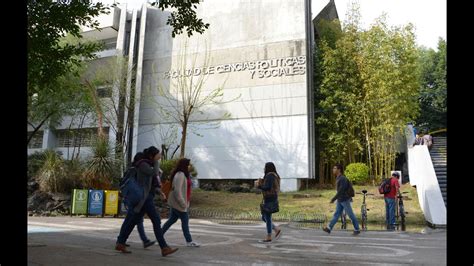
(65, 226)
(42, 229)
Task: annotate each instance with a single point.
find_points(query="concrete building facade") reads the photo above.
(259, 52)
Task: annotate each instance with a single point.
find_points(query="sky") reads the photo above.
(428, 16)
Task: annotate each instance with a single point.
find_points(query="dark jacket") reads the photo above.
(147, 171)
(270, 187)
(342, 188)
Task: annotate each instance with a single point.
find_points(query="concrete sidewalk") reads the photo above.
(91, 241)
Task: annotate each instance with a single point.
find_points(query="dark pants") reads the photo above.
(141, 231)
(133, 218)
(184, 217)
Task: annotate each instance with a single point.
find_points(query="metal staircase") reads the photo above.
(439, 158)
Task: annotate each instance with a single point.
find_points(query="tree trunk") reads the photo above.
(35, 129)
(80, 143)
(93, 92)
(183, 138)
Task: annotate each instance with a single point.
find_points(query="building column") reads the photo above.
(138, 84)
(49, 140)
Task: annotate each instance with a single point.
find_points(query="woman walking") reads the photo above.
(270, 186)
(148, 169)
(179, 199)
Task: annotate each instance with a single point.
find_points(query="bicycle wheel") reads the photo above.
(343, 221)
(402, 217)
(363, 219)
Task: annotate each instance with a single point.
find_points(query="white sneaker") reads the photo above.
(192, 244)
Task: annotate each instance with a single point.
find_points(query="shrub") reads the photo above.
(51, 177)
(168, 166)
(74, 170)
(357, 173)
(35, 162)
(101, 168)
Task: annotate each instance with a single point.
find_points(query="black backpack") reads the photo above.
(385, 187)
(350, 189)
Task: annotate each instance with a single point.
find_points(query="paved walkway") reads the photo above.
(91, 241)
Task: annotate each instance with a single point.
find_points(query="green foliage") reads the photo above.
(53, 173)
(168, 165)
(73, 171)
(433, 98)
(366, 90)
(69, 98)
(48, 23)
(101, 167)
(183, 17)
(51, 177)
(35, 161)
(357, 173)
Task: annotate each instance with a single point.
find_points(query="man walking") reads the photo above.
(344, 195)
(390, 201)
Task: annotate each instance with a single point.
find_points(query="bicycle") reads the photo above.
(363, 210)
(400, 210)
(343, 220)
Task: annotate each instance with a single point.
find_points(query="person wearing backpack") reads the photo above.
(179, 199)
(147, 170)
(270, 186)
(389, 197)
(141, 230)
(344, 195)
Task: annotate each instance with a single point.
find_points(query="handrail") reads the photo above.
(438, 131)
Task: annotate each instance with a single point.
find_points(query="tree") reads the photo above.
(55, 54)
(70, 97)
(390, 77)
(366, 91)
(328, 32)
(51, 59)
(49, 22)
(188, 97)
(117, 77)
(433, 98)
(184, 17)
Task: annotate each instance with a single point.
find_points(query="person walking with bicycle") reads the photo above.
(344, 195)
(390, 201)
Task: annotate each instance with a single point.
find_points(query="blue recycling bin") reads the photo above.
(96, 202)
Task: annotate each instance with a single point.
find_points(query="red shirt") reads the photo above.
(394, 186)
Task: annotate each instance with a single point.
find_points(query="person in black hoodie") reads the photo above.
(147, 172)
(344, 198)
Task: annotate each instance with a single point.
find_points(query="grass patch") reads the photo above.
(304, 204)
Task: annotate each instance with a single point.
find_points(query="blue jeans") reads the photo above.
(346, 205)
(390, 213)
(133, 218)
(141, 231)
(184, 217)
(267, 218)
